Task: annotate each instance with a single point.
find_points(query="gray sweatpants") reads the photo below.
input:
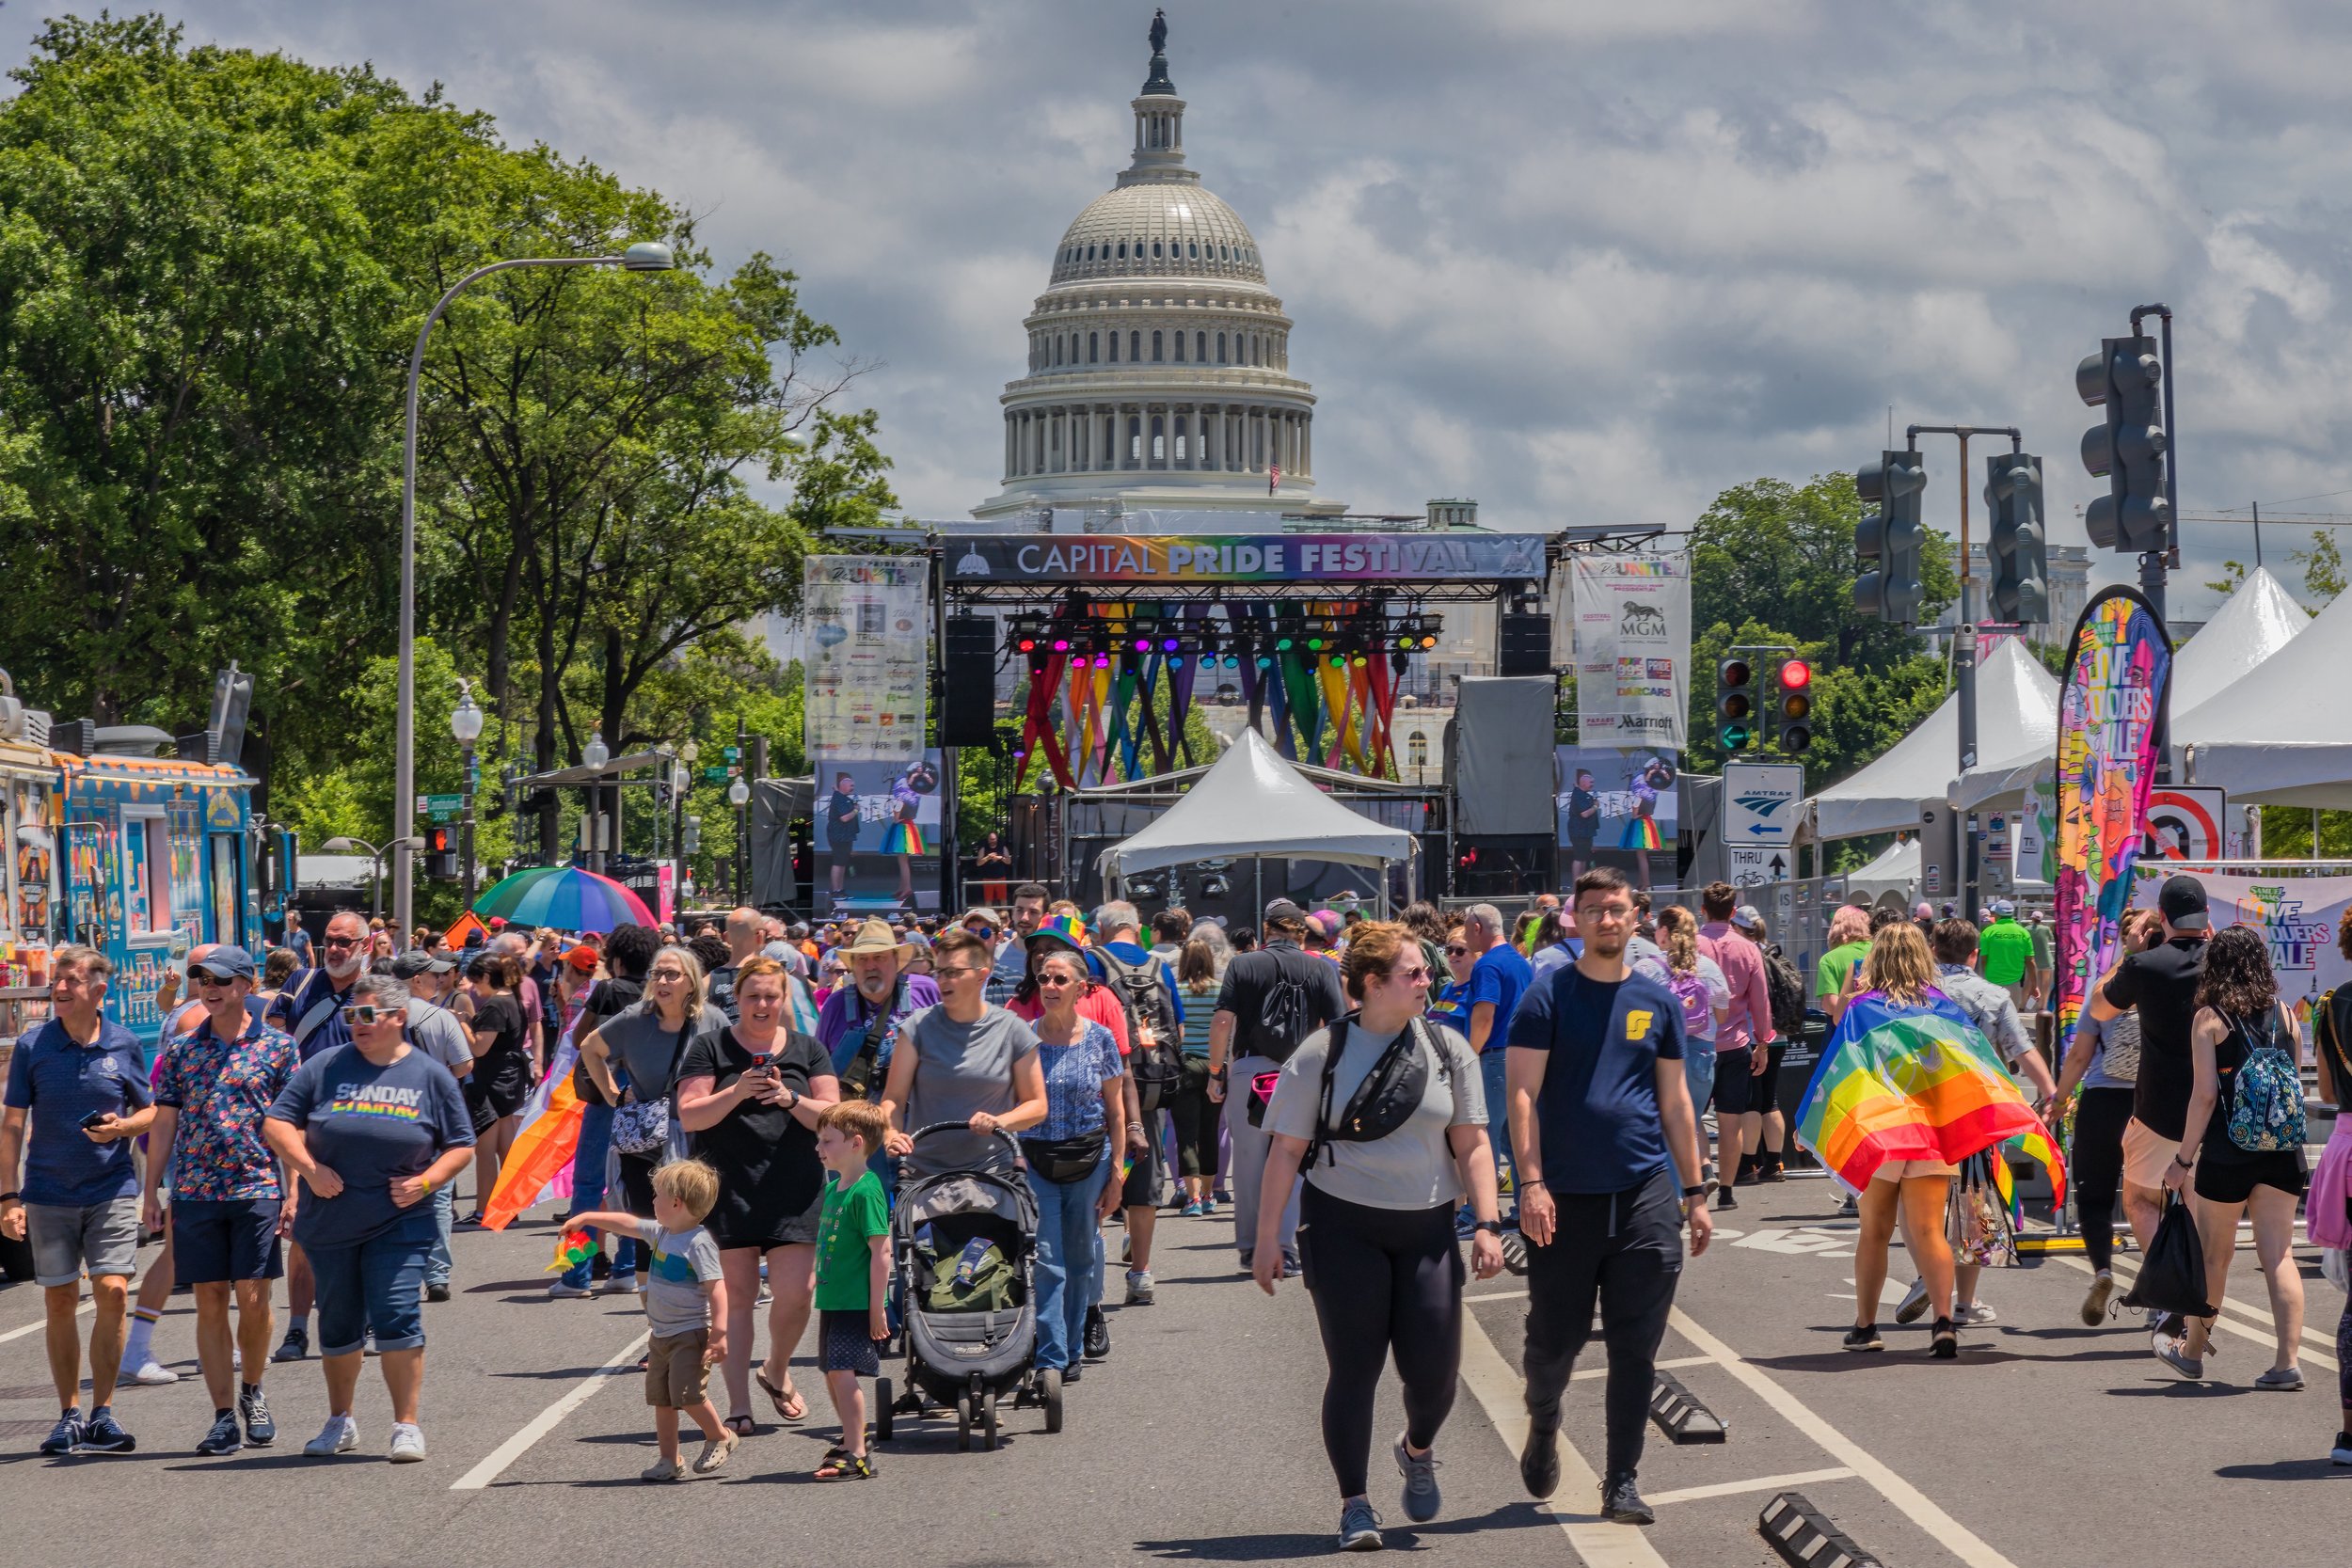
(1251, 1146)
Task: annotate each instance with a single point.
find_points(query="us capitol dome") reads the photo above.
(1159, 360)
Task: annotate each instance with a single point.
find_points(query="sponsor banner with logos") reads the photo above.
(1633, 650)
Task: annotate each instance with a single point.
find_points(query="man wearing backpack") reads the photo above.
(1785, 986)
(1741, 1045)
(1270, 1001)
(1156, 1025)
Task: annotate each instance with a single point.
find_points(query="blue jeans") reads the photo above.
(374, 1285)
(595, 1142)
(1698, 1071)
(437, 1264)
(1491, 1078)
(1066, 1249)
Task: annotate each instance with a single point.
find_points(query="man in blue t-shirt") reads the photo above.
(1598, 1100)
(77, 1097)
(1498, 977)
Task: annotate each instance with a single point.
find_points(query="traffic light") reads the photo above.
(1886, 543)
(440, 853)
(1735, 704)
(691, 835)
(1792, 705)
(2128, 451)
(2021, 569)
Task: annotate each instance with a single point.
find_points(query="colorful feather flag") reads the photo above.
(572, 1248)
(1915, 1082)
(542, 1151)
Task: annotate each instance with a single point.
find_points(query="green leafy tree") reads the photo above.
(2322, 566)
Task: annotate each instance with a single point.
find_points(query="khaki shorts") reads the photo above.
(676, 1377)
(1903, 1170)
(2147, 1154)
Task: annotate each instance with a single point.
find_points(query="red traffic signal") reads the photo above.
(1795, 672)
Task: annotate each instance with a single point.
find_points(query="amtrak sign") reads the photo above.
(1763, 803)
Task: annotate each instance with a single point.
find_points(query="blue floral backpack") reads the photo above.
(2266, 1105)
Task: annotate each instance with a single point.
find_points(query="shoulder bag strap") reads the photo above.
(314, 1016)
(1337, 1036)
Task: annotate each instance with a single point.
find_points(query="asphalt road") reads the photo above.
(2047, 1443)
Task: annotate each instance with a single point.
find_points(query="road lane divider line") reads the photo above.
(1496, 1295)
(2314, 1345)
(1761, 1484)
(1593, 1372)
(36, 1325)
(490, 1468)
(1946, 1531)
(1502, 1394)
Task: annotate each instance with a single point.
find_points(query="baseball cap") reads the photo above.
(981, 912)
(224, 963)
(408, 965)
(2003, 907)
(1747, 915)
(2182, 902)
(584, 959)
(1283, 909)
(498, 923)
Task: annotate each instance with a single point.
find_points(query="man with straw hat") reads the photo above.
(857, 1016)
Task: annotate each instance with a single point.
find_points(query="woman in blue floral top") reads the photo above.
(1070, 1156)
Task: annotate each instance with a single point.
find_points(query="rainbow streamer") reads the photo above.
(1915, 1082)
(572, 1248)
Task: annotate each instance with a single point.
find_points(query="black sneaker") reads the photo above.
(436, 1292)
(1070, 1373)
(1098, 1336)
(1776, 1171)
(260, 1429)
(1622, 1504)
(1724, 1198)
(66, 1435)
(295, 1345)
(1865, 1337)
(1540, 1461)
(104, 1434)
(224, 1438)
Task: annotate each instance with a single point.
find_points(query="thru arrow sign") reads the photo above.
(1779, 868)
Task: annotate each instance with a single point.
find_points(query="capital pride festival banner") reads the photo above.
(2110, 701)
(1633, 650)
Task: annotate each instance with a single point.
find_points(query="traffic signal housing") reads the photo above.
(2016, 552)
(1886, 543)
(1735, 704)
(440, 853)
(2128, 450)
(1793, 706)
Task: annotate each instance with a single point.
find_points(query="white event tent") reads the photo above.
(2016, 712)
(2257, 621)
(1896, 870)
(1254, 804)
(2272, 735)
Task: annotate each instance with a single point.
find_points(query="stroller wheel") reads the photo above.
(988, 1423)
(1049, 1395)
(883, 1413)
(963, 1423)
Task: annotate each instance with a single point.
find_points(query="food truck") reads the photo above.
(28, 799)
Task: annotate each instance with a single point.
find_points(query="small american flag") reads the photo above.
(1274, 479)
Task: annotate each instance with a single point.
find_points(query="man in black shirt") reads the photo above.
(1270, 1002)
(2162, 984)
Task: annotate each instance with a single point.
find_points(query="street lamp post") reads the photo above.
(681, 779)
(645, 257)
(596, 754)
(465, 724)
(739, 795)
(340, 845)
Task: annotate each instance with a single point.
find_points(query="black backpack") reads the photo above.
(1785, 987)
(1150, 1011)
(1286, 1015)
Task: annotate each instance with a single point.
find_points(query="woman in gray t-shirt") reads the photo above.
(964, 1061)
(1376, 1220)
(646, 1042)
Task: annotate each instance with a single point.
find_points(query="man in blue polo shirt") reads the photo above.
(1497, 980)
(311, 1008)
(80, 1084)
(1598, 1098)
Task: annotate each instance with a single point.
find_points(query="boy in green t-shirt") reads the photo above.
(852, 1275)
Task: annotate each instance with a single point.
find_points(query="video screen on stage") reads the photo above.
(1616, 807)
(877, 834)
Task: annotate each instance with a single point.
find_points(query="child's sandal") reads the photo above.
(847, 1467)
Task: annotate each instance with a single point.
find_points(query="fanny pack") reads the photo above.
(1064, 1159)
(1260, 1092)
(1383, 1101)
(641, 1126)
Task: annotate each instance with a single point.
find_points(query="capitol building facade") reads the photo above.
(1159, 360)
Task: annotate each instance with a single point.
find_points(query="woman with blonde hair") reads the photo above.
(1699, 984)
(633, 1059)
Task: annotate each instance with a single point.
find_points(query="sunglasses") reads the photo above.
(1056, 981)
(1457, 951)
(345, 941)
(367, 1013)
(956, 972)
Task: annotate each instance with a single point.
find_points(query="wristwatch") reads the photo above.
(1492, 1227)
(1694, 1191)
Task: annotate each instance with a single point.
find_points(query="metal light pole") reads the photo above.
(341, 846)
(681, 779)
(645, 257)
(465, 724)
(596, 754)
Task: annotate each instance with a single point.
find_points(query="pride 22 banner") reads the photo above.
(1633, 650)
(2110, 705)
(866, 657)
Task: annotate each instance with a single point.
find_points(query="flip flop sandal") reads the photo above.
(848, 1467)
(783, 1402)
(741, 1425)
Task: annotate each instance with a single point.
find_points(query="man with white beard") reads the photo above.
(311, 1008)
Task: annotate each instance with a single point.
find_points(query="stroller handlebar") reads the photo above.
(1011, 1142)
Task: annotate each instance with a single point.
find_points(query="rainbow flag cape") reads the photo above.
(1913, 1083)
(572, 1248)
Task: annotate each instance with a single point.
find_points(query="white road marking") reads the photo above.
(1658, 1366)
(1499, 1296)
(2270, 1324)
(37, 1327)
(1761, 1484)
(1950, 1532)
(540, 1425)
(1502, 1393)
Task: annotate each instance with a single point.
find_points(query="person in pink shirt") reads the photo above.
(1747, 1028)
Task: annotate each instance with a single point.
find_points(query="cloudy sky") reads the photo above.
(1588, 261)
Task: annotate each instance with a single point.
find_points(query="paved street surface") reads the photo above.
(2048, 1443)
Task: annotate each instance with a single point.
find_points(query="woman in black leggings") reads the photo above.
(2104, 1062)
(1377, 1221)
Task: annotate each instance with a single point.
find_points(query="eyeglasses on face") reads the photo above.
(369, 1014)
(1056, 981)
(958, 972)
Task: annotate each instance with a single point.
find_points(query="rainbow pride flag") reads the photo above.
(572, 1248)
(1913, 1083)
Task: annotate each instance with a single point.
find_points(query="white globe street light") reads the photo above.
(738, 792)
(595, 753)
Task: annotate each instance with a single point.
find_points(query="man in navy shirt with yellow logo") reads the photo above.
(1597, 1101)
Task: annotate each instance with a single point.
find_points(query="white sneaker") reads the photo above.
(1914, 1306)
(1975, 1312)
(407, 1443)
(564, 1291)
(340, 1435)
(153, 1373)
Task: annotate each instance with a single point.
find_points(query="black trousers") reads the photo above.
(1383, 1281)
(2095, 1164)
(1196, 1118)
(1624, 1249)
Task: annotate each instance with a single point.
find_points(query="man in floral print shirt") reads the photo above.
(230, 1205)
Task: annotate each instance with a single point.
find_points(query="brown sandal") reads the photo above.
(789, 1405)
(741, 1425)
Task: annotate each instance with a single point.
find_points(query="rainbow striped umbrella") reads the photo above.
(566, 897)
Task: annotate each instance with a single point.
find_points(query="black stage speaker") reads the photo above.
(967, 702)
(1497, 754)
(1526, 646)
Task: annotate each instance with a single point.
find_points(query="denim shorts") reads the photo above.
(68, 1238)
(376, 1285)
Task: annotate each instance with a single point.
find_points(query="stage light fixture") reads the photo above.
(1062, 644)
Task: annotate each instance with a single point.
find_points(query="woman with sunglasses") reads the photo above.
(1070, 1156)
(633, 1056)
(750, 1095)
(1376, 1228)
(372, 1129)
(1450, 1005)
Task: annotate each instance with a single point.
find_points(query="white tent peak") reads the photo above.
(1252, 803)
(2254, 623)
(2271, 736)
(2016, 713)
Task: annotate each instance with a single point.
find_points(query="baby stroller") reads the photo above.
(962, 1243)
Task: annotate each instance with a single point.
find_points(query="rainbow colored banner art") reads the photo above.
(1900, 1081)
(2111, 706)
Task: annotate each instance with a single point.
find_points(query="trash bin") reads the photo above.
(1796, 1070)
